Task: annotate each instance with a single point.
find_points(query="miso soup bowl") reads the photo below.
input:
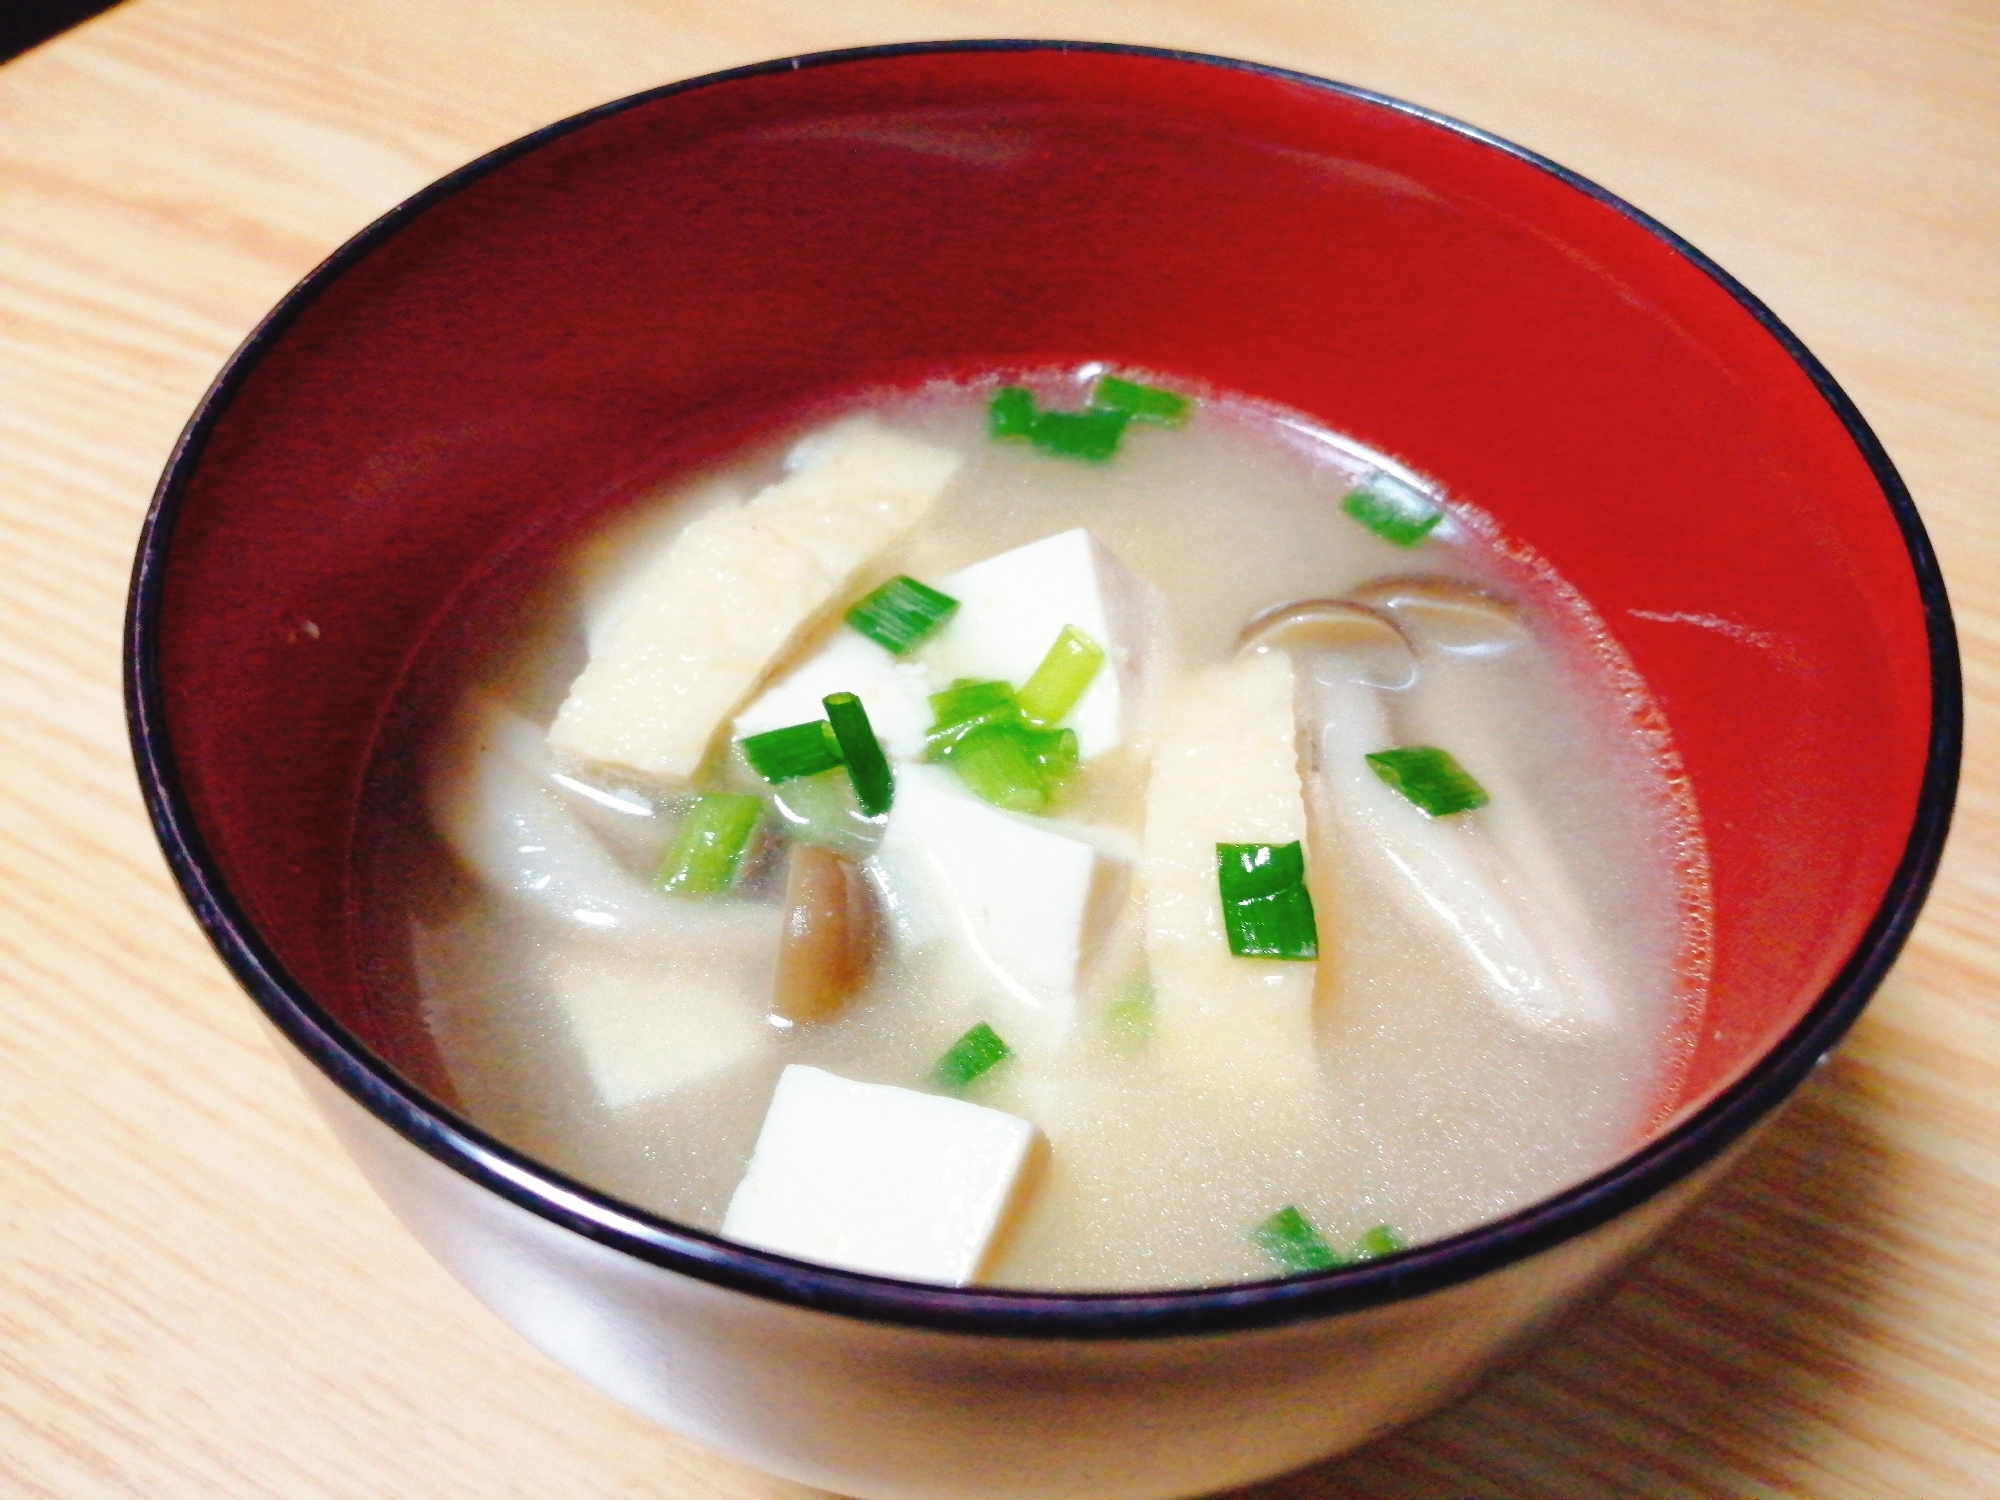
(654, 278)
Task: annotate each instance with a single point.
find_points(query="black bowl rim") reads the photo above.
(573, 1205)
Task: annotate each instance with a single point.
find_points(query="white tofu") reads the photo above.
(1012, 607)
(895, 693)
(879, 1179)
(705, 619)
(1225, 771)
(648, 1023)
(1027, 905)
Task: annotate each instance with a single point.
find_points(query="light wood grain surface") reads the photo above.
(198, 1297)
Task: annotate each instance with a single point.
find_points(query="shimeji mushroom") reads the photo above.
(1464, 637)
(513, 819)
(1365, 645)
(656, 993)
(1447, 614)
(1456, 873)
(831, 935)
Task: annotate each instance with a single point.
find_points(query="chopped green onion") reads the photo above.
(978, 731)
(1060, 680)
(1266, 908)
(1289, 1238)
(1055, 751)
(709, 844)
(1129, 1018)
(965, 706)
(1381, 1240)
(977, 1052)
(867, 766)
(1430, 778)
(998, 765)
(1144, 403)
(1012, 765)
(1393, 510)
(1011, 413)
(1089, 435)
(972, 696)
(795, 750)
(900, 613)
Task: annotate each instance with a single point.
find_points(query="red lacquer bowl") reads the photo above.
(653, 279)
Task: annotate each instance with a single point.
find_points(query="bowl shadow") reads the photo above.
(1696, 1373)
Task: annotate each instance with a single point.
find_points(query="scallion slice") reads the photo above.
(1069, 668)
(1011, 412)
(1394, 511)
(978, 731)
(1055, 751)
(796, 750)
(997, 764)
(1430, 778)
(901, 613)
(1289, 1238)
(974, 1054)
(1129, 1018)
(867, 766)
(1089, 435)
(965, 706)
(709, 844)
(1266, 909)
(1144, 403)
(1381, 1240)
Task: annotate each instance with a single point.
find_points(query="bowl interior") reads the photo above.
(519, 343)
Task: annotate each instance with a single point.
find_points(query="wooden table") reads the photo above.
(198, 1297)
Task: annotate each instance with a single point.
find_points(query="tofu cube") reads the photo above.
(707, 617)
(1013, 606)
(648, 1024)
(1225, 771)
(1027, 905)
(895, 693)
(879, 1179)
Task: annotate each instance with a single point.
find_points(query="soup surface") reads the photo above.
(1494, 997)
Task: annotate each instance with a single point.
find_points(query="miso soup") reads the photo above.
(1070, 831)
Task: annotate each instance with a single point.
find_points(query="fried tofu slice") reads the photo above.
(694, 630)
(1225, 771)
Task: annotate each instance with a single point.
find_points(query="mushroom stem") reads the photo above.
(1464, 698)
(1490, 881)
(1447, 872)
(1469, 700)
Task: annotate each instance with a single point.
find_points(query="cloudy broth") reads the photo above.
(1412, 1098)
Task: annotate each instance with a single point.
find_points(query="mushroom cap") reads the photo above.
(831, 938)
(1346, 642)
(1448, 613)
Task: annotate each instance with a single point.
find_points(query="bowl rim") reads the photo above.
(462, 1146)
